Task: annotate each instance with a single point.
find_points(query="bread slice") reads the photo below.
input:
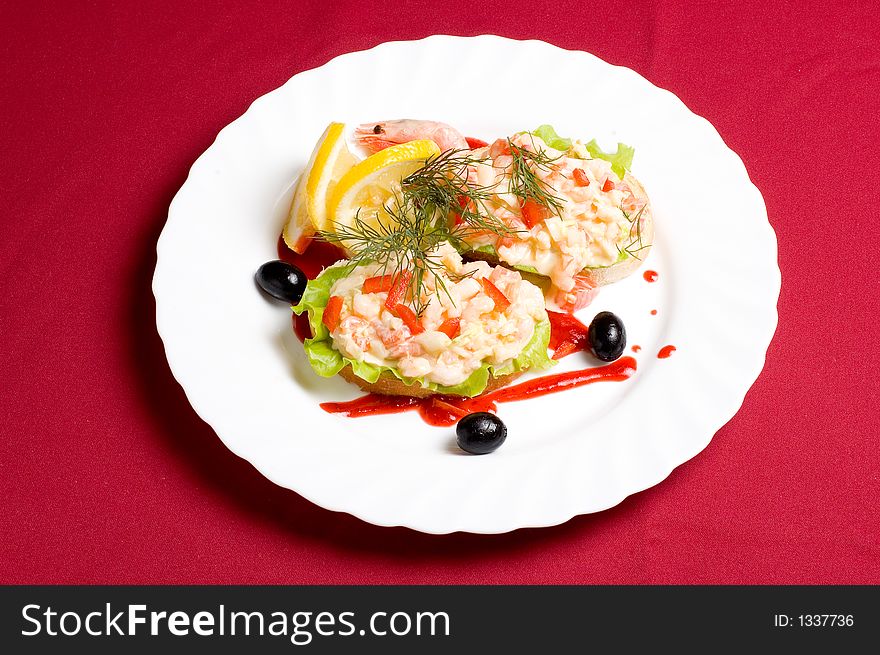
(600, 275)
(389, 385)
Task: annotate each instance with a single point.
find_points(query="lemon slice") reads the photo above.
(298, 231)
(366, 188)
(329, 162)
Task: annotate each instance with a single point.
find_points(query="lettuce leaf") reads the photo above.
(621, 161)
(327, 361)
(548, 135)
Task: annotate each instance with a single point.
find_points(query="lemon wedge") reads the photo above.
(329, 162)
(366, 188)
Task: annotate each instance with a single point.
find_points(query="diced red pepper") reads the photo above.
(450, 327)
(533, 213)
(409, 319)
(332, 312)
(500, 300)
(473, 143)
(398, 289)
(464, 203)
(580, 177)
(378, 284)
(608, 186)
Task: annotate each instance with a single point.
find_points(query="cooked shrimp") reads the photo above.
(398, 342)
(377, 136)
(359, 330)
(579, 296)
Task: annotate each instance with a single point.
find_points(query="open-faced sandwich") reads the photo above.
(463, 329)
(579, 222)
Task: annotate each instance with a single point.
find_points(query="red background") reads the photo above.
(107, 475)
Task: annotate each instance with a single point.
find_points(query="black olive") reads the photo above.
(607, 336)
(282, 281)
(480, 433)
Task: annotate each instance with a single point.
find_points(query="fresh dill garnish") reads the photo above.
(442, 184)
(635, 244)
(416, 220)
(524, 181)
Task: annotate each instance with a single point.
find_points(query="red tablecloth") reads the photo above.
(107, 475)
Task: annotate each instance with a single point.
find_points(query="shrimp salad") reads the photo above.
(461, 328)
(475, 318)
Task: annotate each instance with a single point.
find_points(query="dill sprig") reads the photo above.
(442, 185)
(524, 181)
(401, 236)
(635, 245)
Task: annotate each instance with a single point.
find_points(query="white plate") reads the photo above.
(572, 453)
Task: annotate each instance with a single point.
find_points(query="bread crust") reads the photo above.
(603, 275)
(389, 385)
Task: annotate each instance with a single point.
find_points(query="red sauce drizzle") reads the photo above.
(318, 256)
(617, 371)
(651, 276)
(447, 410)
(372, 404)
(636, 348)
(301, 326)
(653, 312)
(436, 410)
(665, 352)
